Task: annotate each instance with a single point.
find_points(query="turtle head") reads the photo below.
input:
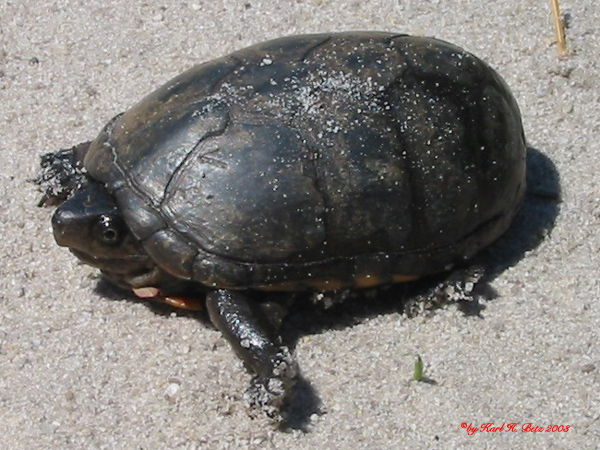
(91, 225)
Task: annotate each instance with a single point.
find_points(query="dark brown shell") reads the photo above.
(318, 159)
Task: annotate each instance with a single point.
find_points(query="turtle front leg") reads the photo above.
(254, 339)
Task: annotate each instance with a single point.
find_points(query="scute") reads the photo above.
(244, 195)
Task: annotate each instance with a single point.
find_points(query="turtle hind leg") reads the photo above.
(458, 287)
(254, 338)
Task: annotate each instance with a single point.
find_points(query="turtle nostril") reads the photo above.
(57, 219)
(58, 228)
(60, 225)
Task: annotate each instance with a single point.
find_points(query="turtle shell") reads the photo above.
(318, 161)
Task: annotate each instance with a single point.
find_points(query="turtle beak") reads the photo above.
(69, 229)
(60, 226)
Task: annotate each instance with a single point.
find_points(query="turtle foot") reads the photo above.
(458, 287)
(270, 395)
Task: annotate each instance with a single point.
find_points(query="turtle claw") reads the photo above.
(270, 395)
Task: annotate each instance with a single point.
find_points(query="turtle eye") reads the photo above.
(110, 230)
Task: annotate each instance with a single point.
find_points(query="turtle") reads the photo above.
(315, 163)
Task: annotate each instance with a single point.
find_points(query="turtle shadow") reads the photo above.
(535, 220)
(532, 225)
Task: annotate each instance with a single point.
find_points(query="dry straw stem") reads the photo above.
(560, 29)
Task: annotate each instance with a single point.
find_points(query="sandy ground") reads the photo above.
(82, 368)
